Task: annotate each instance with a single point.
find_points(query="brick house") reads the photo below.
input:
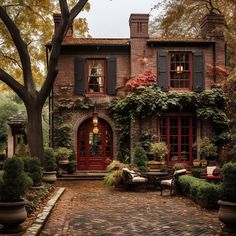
(94, 71)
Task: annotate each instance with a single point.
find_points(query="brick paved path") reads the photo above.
(90, 208)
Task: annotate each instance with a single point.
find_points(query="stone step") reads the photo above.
(97, 175)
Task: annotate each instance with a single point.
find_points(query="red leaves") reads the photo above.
(146, 78)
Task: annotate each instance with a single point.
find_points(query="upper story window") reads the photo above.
(96, 75)
(180, 70)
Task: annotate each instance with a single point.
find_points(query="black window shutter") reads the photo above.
(198, 71)
(111, 76)
(162, 67)
(79, 76)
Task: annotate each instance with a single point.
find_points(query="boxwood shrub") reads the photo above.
(196, 172)
(204, 193)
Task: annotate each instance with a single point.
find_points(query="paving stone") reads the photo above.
(90, 208)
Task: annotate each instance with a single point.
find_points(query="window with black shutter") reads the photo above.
(79, 76)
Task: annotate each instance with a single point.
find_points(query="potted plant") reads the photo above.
(62, 155)
(159, 150)
(227, 210)
(49, 166)
(207, 149)
(13, 183)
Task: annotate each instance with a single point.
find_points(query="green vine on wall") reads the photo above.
(151, 101)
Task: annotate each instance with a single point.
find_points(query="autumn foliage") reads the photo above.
(146, 78)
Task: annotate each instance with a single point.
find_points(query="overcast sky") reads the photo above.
(110, 18)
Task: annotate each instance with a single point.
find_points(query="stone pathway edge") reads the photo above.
(42, 217)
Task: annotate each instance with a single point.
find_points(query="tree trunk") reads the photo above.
(35, 131)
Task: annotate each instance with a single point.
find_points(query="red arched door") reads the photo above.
(94, 151)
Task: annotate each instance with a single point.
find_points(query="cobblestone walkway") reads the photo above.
(90, 208)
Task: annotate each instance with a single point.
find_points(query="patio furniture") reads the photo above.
(133, 178)
(213, 173)
(171, 182)
(154, 177)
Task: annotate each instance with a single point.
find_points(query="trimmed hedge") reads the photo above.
(196, 172)
(204, 193)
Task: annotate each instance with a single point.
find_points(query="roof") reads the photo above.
(124, 42)
(96, 41)
(158, 40)
(18, 119)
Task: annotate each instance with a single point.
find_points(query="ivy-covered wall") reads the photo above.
(150, 101)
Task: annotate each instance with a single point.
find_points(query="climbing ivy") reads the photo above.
(151, 101)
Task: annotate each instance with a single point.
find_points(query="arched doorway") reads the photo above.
(94, 150)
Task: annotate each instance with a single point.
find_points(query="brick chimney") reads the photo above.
(138, 24)
(211, 26)
(57, 20)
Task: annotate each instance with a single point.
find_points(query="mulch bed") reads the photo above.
(37, 198)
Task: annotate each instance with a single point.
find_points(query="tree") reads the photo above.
(37, 16)
(34, 99)
(180, 19)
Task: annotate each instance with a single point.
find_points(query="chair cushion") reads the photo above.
(210, 170)
(166, 182)
(138, 179)
(179, 172)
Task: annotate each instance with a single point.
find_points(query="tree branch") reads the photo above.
(56, 46)
(13, 84)
(21, 48)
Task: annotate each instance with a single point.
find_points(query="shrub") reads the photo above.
(115, 165)
(159, 150)
(49, 160)
(206, 147)
(15, 180)
(204, 193)
(26, 163)
(34, 171)
(63, 138)
(63, 153)
(229, 182)
(140, 159)
(196, 172)
(114, 178)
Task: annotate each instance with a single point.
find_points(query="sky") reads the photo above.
(110, 18)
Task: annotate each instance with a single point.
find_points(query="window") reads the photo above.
(179, 133)
(96, 75)
(180, 70)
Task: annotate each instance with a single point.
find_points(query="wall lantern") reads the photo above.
(95, 121)
(144, 59)
(179, 69)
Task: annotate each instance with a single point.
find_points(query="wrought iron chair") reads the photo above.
(171, 182)
(133, 178)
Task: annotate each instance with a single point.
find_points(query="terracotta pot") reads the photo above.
(204, 163)
(63, 162)
(49, 176)
(227, 215)
(196, 163)
(12, 214)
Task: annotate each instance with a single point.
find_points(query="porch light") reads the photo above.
(179, 69)
(144, 60)
(95, 118)
(95, 130)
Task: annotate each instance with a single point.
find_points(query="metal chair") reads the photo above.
(171, 182)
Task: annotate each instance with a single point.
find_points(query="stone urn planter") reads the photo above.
(227, 210)
(227, 215)
(12, 214)
(49, 176)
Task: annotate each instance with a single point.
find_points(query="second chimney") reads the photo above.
(57, 20)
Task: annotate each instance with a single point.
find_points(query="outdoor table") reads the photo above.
(154, 177)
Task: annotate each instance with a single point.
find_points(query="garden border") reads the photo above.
(42, 217)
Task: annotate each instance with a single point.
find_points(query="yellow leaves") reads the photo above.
(34, 20)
